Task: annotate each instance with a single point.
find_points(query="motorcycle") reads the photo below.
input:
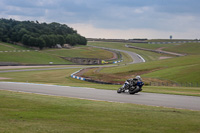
(132, 86)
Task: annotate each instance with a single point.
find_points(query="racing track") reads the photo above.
(135, 57)
(172, 101)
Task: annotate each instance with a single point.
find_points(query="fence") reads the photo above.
(186, 84)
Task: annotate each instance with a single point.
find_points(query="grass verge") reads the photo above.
(188, 48)
(20, 112)
(81, 52)
(189, 91)
(31, 57)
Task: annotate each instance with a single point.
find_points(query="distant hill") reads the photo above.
(37, 34)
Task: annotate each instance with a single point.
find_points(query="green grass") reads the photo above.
(83, 52)
(151, 46)
(9, 47)
(189, 91)
(31, 57)
(180, 74)
(186, 48)
(20, 112)
(5, 48)
(168, 40)
(49, 55)
(181, 69)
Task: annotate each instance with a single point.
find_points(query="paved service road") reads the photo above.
(172, 101)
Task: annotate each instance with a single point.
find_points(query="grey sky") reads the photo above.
(113, 18)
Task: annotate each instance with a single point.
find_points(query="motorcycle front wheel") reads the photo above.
(120, 90)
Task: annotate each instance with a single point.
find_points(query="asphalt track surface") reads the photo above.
(163, 100)
(136, 58)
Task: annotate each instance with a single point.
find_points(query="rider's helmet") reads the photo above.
(138, 77)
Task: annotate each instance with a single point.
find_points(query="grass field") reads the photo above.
(186, 48)
(167, 40)
(83, 52)
(178, 70)
(23, 112)
(9, 47)
(31, 57)
(49, 55)
(151, 46)
(188, 66)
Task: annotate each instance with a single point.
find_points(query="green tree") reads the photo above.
(21, 33)
(72, 40)
(61, 39)
(1, 33)
(32, 41)
(39, 34)
(40, 43)
(25, 39)
(47, 40)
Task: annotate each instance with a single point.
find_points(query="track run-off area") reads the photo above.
(151, 99)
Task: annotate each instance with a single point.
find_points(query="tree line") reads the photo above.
(35, 34)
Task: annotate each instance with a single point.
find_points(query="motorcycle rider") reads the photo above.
(137, 81)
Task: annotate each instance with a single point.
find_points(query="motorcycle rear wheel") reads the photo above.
(131, 92)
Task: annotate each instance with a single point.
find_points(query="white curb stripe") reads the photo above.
(141, 58)
(76, 77)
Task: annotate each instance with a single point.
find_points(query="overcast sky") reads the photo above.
(122, 19)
